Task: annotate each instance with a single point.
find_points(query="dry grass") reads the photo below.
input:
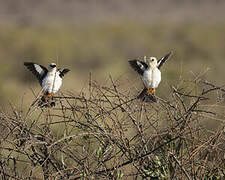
(108, 134)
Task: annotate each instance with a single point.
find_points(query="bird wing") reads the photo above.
(62, 72)
(38, 70)
(138, 66)
(163, 59)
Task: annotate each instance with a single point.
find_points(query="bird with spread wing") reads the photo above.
(49, 78)
(150, 74)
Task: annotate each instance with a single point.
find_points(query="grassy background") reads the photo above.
(104, 49)
(101, 36)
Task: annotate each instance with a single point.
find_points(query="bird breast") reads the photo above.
(151, 77)
(52, 82)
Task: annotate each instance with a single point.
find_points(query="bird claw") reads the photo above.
(149, 98)
(52, 104)
(47, 101)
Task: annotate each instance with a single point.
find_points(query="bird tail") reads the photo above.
(147, 95)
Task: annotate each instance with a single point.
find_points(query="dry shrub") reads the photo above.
(106, 133)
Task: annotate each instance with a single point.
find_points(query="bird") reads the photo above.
(150, 74)
(49, 78)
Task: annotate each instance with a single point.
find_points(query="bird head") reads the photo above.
(152, 61)
(51, 66)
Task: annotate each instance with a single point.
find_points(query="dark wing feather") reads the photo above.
(63, 72)
(138, 66)
(38, 70)
(163, 59)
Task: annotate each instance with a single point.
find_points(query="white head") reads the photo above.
(51, 66)
(152, 61)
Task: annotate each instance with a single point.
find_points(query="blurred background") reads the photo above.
(100, 36)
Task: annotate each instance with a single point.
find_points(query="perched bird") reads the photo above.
(49, 78)
(150, 74)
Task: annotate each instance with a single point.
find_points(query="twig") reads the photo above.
(179, 164)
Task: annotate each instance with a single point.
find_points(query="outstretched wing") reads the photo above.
(138, 66)
(62, 72)
(163, 59)
(38, 70)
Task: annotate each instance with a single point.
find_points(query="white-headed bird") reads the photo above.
(150, 74)
(49, 78)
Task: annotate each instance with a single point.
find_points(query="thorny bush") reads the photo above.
(106, 133)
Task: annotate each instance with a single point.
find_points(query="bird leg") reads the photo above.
(51, 102)
(44, 98)
(50, 97)
(147, 95)
(151, 91)
(47, 99)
